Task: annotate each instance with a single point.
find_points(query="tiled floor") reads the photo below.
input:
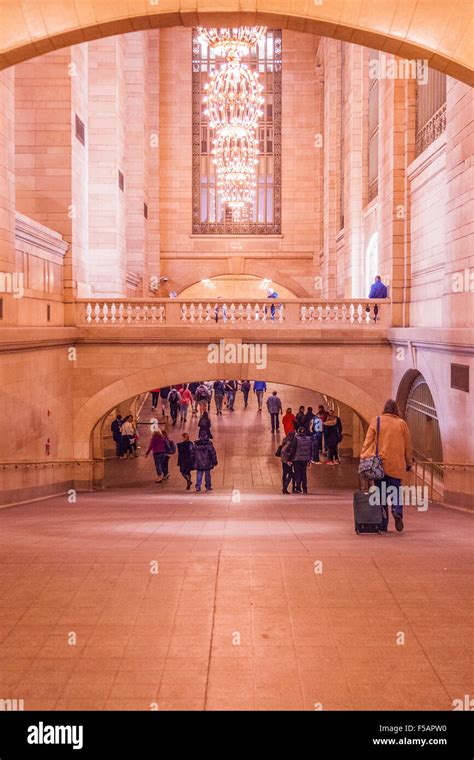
(241, 598)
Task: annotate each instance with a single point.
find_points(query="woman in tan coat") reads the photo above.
(396, 454)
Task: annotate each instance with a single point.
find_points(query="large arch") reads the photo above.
(365, 404)
(410, 29)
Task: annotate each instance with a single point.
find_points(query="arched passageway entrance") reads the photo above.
(243, 439)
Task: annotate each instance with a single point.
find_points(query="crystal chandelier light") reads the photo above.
(233, 103)
(234, 42)
(233, 97)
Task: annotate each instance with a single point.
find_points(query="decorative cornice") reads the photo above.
(37, 235)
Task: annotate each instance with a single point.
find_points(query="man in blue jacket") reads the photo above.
(378, 289)
(259, 387)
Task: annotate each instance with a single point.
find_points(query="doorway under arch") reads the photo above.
(235, 286)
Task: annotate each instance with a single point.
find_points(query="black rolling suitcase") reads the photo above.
(367, 517)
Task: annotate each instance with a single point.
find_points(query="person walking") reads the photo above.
(116, 428)
(205, 459)
(395, 451)
(231, 390)
(128, 434)
(300, 456)
(204, 425)
(275, 409)
(316, 438)
(157, 447)
(170, 448)
(202, 398)
(193, 388)
(185, 403)
(219, 392)
(259, 388)
(164, 393)
(210, 387)
(245, 388)
(174, 399)
(289, 421)
(333, 431)
(155, 394)
(288, 472)
(186, 459)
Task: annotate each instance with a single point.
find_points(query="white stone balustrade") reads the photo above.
(291, 313)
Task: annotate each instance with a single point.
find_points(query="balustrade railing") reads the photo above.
(281, 313)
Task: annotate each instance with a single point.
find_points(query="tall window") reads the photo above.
(371, 261)
(430, 109)
(210, 215)
(373, 129)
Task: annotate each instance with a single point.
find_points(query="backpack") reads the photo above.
(170, 446)
(202, 394)
(317, 425)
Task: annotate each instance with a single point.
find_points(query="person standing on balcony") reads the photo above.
(185, 403)
(174, 398)
(155, 393)
(245, 388)
(289, 421)
(378, 289)
(205, 459)
(259, 388)
(164, 393)
(275, 409)
(396, 453)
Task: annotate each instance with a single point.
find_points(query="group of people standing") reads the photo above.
(125, 436)
(307, 434)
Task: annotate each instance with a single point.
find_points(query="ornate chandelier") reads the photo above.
(233, 97)
(233, 103)
(233, 42)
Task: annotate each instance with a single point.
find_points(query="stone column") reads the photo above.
(330, 59)
(107, 123)
(458, 291)
(152, 143)
(51, 153)
(7, 198)
(354, 167)
(392, 188)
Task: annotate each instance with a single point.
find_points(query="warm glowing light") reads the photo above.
(233, 42)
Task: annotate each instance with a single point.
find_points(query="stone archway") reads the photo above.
(363, 403)
(411, 30)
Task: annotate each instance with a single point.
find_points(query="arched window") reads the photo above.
(422, 420)
(371, 261)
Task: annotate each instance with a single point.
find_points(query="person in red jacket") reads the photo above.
(289, 421)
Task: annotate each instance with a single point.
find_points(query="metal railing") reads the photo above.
(425, 471)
